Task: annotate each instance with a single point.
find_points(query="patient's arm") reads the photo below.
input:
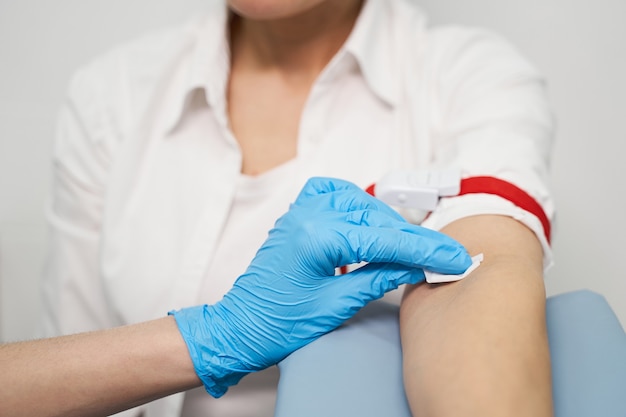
(478, 347)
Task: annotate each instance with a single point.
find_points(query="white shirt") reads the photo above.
(149, 204)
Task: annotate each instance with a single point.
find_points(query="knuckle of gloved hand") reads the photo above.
(377, 248)
(429, 254)
(359, 217)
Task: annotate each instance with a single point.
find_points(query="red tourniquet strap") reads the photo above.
(508, 191)
(501, 188)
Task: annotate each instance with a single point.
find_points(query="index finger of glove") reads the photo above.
(429, 250)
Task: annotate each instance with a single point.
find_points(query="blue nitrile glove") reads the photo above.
(290, 295)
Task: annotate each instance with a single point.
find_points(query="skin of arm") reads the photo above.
(95, 374)
(479, 347)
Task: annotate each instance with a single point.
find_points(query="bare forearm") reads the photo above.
(479, 346)
(94, 374)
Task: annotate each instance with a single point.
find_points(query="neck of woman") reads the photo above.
(298, 46)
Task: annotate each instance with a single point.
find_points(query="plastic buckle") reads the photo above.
(418, 189)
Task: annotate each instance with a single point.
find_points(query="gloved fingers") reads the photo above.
(372, 281)
(367, 236)
(339, 195)
(393, 246)
(374, 237)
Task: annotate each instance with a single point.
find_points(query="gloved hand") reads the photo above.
(290, 295)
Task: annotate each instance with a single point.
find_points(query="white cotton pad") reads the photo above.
(435, 278)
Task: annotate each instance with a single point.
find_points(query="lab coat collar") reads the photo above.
(209, 65)
(371, 43)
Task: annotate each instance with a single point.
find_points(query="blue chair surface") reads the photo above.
(357, 369)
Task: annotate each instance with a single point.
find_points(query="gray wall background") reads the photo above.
(580, 45)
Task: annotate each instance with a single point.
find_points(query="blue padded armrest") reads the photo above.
(353, 371)
(588, 354)
(357, 371)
